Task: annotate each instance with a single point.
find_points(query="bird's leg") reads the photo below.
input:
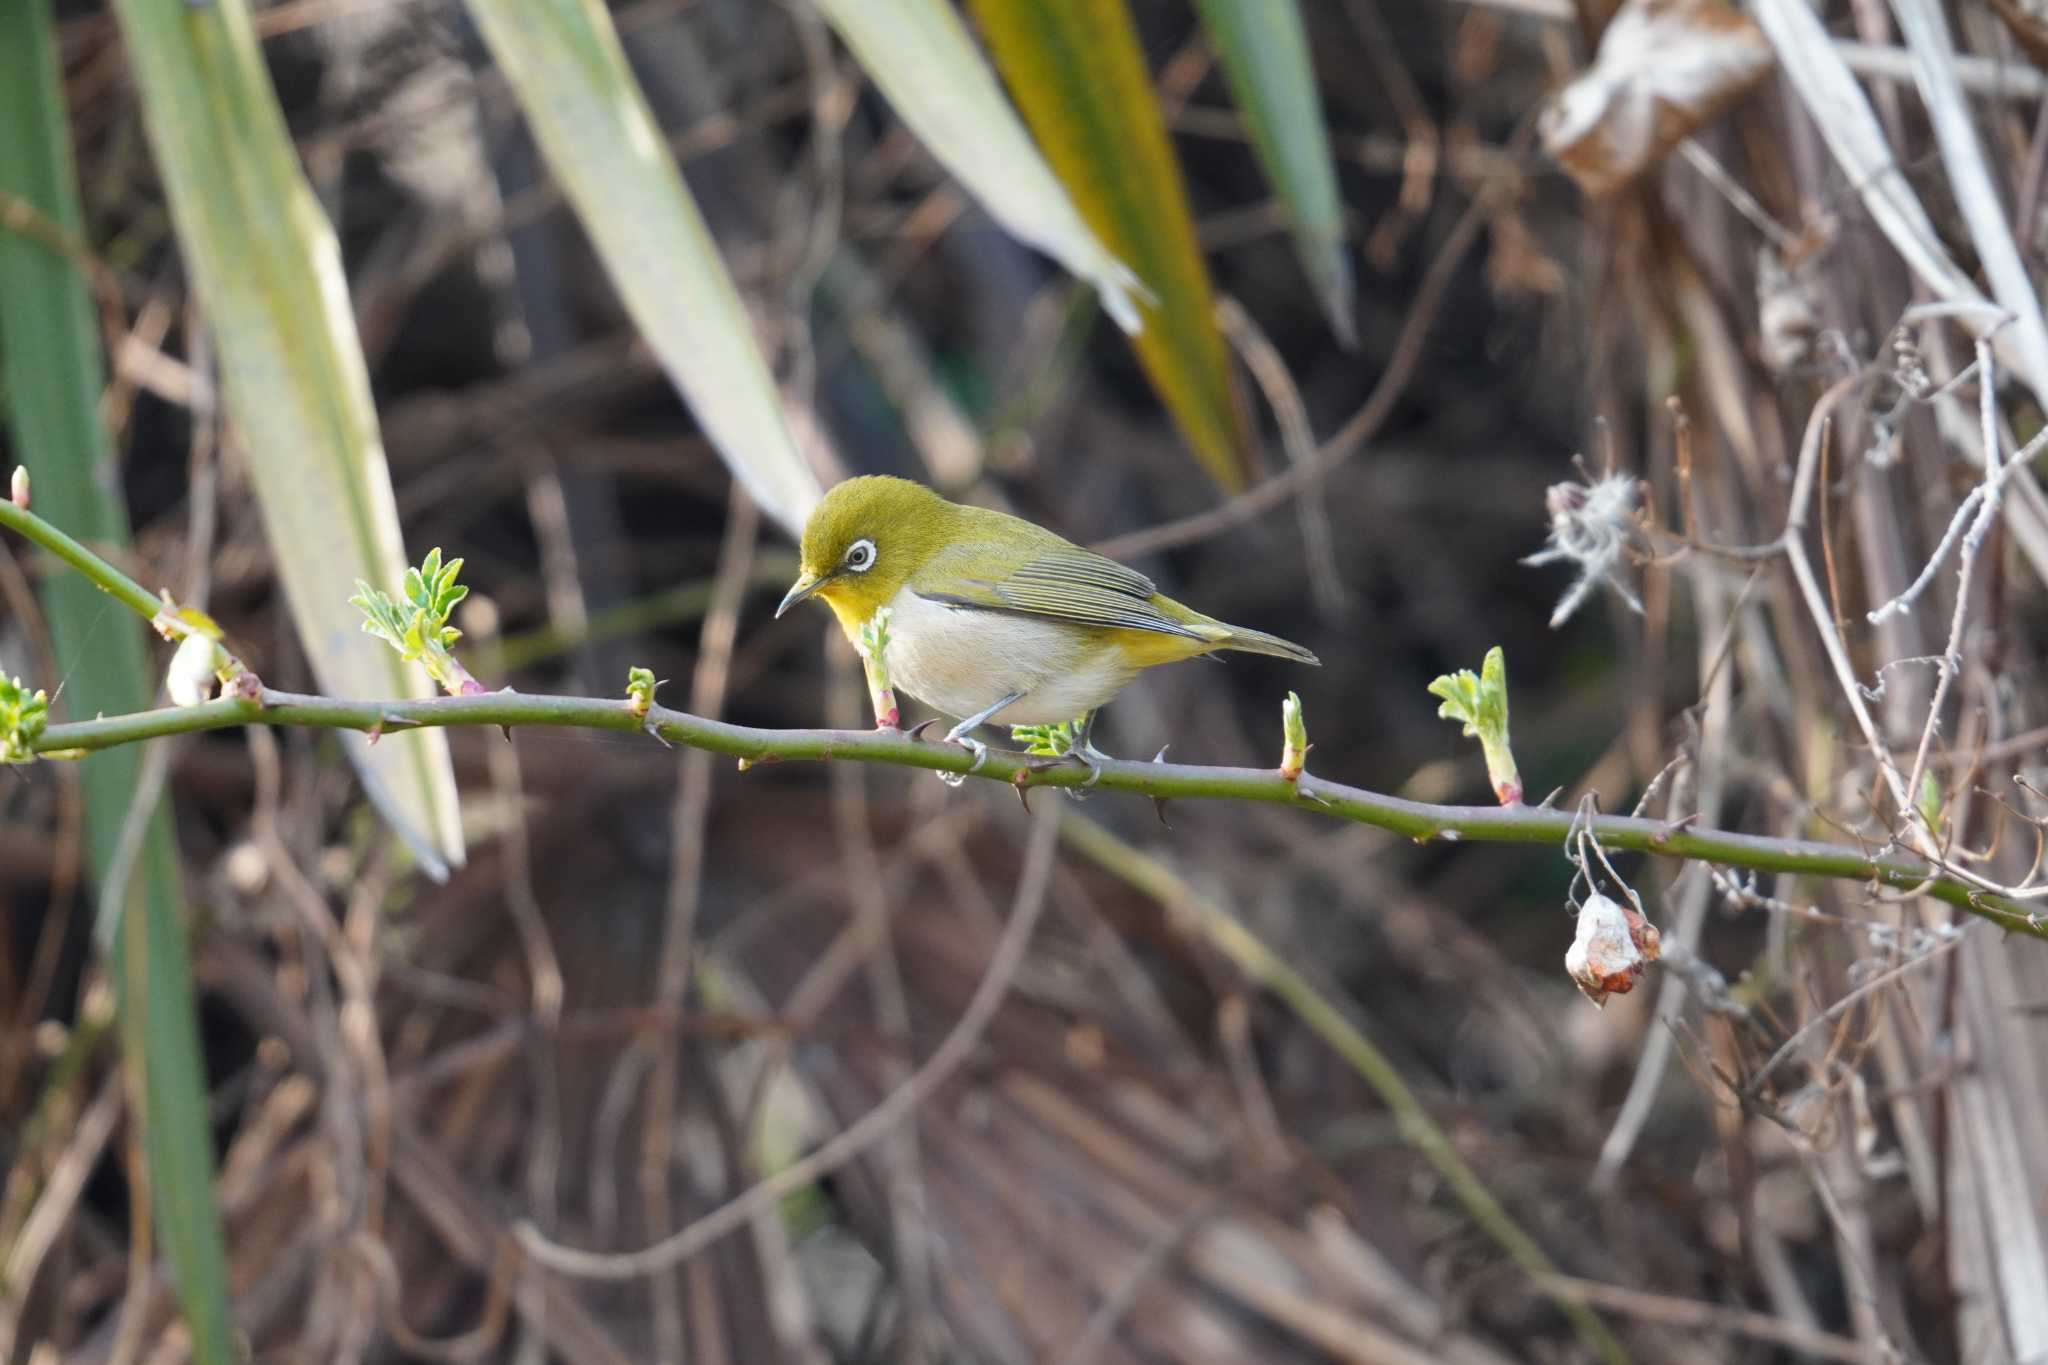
(963, 735)
(1084, 749)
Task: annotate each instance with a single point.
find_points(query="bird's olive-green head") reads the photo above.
(864, 540)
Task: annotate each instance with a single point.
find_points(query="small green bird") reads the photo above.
(993, 618)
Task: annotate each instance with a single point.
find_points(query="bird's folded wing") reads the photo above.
(1066, 584)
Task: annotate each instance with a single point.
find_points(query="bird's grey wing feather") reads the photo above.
(1065, 583)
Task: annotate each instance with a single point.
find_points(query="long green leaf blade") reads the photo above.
(565, 65)
(264, 262)
(54, 373)
(1263, 48)
(921, 56)
(159, 1019)
(1076, 70)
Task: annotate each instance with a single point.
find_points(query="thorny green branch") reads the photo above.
(1161, 781)
(1513, 823)
(16, 517)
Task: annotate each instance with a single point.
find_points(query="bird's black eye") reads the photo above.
(860, 556)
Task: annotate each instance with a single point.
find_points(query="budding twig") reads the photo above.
(23, 717)
(1295, 745)
(416, 624)
(1481, 702)
(640, 689)
(874, 649)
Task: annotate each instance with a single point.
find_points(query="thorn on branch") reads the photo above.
(1159, 802)
(1671, 827)
(376, 731)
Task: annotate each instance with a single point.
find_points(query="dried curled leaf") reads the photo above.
(2027, 21)
(1788, 313)
(1665, 69)
(1613, 945)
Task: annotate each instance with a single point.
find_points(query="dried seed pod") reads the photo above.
(1592, 525)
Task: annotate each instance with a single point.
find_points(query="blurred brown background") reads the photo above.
(1146, 1158)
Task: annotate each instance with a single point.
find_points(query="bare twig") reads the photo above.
(1298, 438)
(691, 811)
(864, 1132)
(1707, 1317)
(866, 890)
(1991, 490)
(1943, 943)
(1325, 1014)
(1379, 405)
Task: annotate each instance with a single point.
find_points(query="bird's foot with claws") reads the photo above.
(972, 746)
(1087, 755)
(963, 735)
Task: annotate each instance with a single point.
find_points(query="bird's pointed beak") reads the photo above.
(804, 588)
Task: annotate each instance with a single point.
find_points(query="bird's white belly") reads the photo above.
(962, 660)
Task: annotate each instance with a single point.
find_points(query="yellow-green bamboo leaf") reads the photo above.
(1264, 52)
(921, 56)
(264, 262)
(1076, 70)
(54, 374)
(566, 68)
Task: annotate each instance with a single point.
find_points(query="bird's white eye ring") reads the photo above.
(860, 556)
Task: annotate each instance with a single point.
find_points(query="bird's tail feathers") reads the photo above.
(1258, 642)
